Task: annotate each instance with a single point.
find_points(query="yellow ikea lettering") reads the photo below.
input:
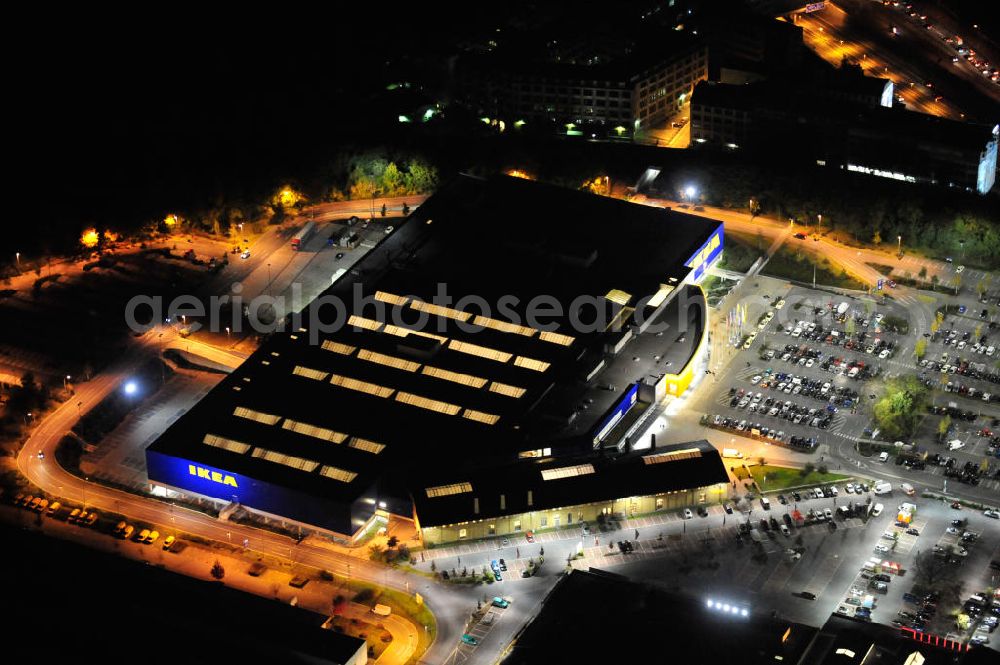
(214, 476)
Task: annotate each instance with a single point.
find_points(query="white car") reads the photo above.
(389, 229)
(992, 513)
(959, 269)
(877, 510)
(779, 304)
(755, 380)
(245, 254)
(955, 444)
(688, 514)
(881, 549)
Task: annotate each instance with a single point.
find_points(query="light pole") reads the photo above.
(17, 257)
(269, 279)
(66, 381)
(820, 217)
(899, 241)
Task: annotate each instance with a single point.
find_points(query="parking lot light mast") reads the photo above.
(899, 240)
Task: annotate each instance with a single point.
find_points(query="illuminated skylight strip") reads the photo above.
(618, 296)
(481, 351)
(448, 490)
(531, 363)
(337, 474)
(391, 298)
(388, 361)
(337, 347)
(506, 389)
(671, 456)
(257, 416)
(556, 338)
(361, 386)
(300, 463)
(454, 377)
(361, 322)
(439, 310)
(314, 431)
(366, 445)
(480, 416)
(427, 403)
(309, 373)
(567, 472)
(503, 326)
(232, 446)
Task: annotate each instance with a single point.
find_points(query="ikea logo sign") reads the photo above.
(214, 476)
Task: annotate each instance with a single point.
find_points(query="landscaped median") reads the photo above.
(771, 478)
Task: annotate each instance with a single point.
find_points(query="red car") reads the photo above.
(529, 536)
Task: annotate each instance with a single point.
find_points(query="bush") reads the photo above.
(364, 595)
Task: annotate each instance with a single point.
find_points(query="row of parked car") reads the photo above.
(55, 509)
(803, 385)
(807, 356)
(775, 408)
(126, 531)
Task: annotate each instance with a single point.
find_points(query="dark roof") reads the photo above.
(481, 238)
(597, 617)
(685, 466)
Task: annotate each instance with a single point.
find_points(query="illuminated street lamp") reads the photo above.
(899, 241)
(130, 388)
(66, 381)
(690, 191)
(17, 257)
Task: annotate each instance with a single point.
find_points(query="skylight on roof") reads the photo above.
(661, 295)
(481, 416)
(481, 351)
(314, 431)
(388, 361)
(361, 386)
(556, 338)
(448, 490)
(531, 363)
(337, 347)
(619, 297)
(503, 326)
(567, 472)
(300, 463)
(427, 403)
(391, 298)
(335, 473)
(439, 310)
(506, 389)
(361, 322)
(257, 416)
(231, 445)
(309, 373)
(366, 445)
(671, 456)
(455, 377)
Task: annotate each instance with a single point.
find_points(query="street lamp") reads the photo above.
(66, 381)
(17, 256)
(899, 240)
(690, 191)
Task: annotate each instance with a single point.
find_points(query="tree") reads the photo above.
(932, 569)
(923, 273)
(433, 566)
(943, 426)
(935, 280)
(218, 572)
(877, 238)
(808, 468)
(392, 542)
(375, 551)
(898, 410)
(956, 283)
(339, 603)
(383, 211)
(920, 348)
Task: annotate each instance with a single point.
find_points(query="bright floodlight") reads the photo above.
(744, 612)
(709, 602)
(690, 191)
(130, 388)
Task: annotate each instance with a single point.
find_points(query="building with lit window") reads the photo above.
(847, 122)
(606, 100)
(504, 322)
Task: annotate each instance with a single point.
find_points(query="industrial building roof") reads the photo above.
(555, 483)
(408, 382)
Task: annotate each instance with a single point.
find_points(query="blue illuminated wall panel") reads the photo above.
(617, 413)
(706, 254)
(225, 485)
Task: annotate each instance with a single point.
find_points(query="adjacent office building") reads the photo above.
(488, 363)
